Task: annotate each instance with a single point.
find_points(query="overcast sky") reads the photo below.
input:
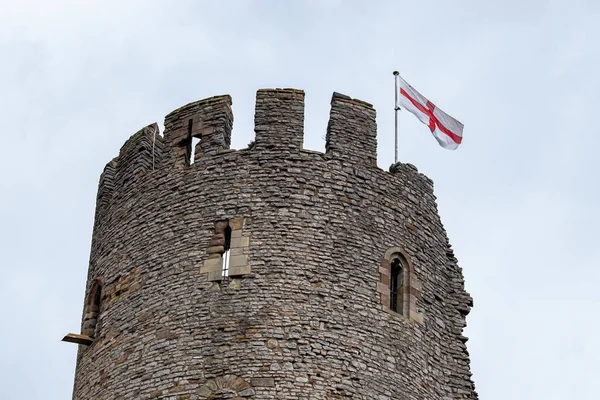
(518, 198)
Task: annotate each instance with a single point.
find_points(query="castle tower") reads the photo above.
(270, 272)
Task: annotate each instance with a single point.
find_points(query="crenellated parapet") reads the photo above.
(278, 124)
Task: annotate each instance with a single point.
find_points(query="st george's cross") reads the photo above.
(446, 130)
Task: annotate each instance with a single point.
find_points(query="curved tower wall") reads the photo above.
(306, 317)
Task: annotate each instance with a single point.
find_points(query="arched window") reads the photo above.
(91, 327)
(398, 286)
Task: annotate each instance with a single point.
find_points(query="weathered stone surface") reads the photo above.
(215, 248)
(239, 270)
(307, 322)
(239, 242)
(211, 265)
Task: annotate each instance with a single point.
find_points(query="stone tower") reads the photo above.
(270, 272)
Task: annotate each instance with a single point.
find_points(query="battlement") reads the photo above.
(352, 131)
(278, 124)
(279, 119)
(209, 120)
(351, 139)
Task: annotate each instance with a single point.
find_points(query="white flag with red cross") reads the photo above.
(447, 130)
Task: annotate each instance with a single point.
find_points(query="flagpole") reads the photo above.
(396, 109)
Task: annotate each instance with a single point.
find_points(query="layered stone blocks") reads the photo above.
(352, 131)
(301, 312)
(209, 120)
(279, 119)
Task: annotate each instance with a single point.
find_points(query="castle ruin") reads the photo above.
(270, 272)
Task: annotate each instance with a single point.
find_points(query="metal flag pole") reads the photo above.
(396, 109)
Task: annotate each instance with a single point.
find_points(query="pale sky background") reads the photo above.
(518, 198)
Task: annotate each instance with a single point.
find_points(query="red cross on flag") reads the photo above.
(447, 130)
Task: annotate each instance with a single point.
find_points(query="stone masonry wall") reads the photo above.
(305, 320)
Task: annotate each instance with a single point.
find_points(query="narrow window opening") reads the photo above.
(96, 307)
(226, 254)
(189, 157)
(91, 326)
(396, 285)
(195, 142)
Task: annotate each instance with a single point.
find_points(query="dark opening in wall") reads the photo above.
(91, 326)
(396, 286)
(227, 253)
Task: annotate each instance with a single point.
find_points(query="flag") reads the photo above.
(446, 130)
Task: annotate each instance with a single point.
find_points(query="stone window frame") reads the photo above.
(411, 286)
(239, 248)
